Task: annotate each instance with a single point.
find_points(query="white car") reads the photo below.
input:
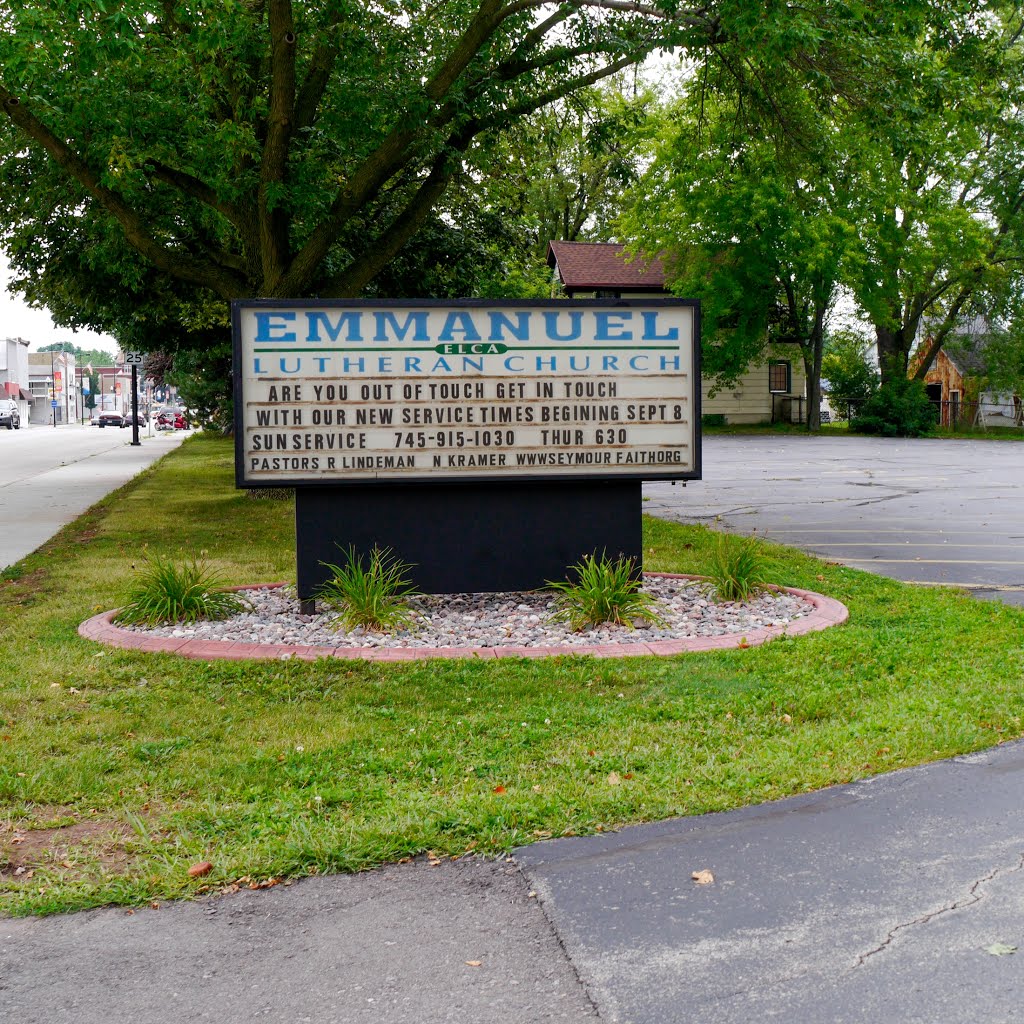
(9, 415)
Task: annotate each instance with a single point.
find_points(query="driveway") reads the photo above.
(924, 511)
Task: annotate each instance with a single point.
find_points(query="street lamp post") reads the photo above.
(53, 389)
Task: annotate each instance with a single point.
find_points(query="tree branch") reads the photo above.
(386, 246)
(224, 282)
(196, 188)
(274, 220)
(510, 113)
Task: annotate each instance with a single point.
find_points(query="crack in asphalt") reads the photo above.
(972, 897)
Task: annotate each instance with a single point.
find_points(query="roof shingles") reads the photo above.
(599, 265)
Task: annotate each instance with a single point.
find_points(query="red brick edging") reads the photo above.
(827, 612)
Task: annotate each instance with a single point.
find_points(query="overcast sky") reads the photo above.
(19, 321)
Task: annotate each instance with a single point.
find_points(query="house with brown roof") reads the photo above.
(771, 390)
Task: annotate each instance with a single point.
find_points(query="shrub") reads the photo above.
(604, 591)
(372, 593)
(164, 593)
(899, 408)
(738, 568)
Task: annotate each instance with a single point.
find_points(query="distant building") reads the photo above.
(771, 389)
(54, 387)
(14, 379)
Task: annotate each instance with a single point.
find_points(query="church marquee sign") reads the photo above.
(339, 392)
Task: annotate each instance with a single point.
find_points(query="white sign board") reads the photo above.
(134, 358)
(340, 392)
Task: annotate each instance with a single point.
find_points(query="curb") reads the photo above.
(827, 612)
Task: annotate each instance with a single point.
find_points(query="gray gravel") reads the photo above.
(496, 620)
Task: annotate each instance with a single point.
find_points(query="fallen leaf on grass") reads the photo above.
(703, 877)
(498, 789)
(198, 870)
(1000, 949)
(613, 778)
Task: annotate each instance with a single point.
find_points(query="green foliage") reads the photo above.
(604, 590)
(83, 356)
(899, 408)
(749, 225)
(371, 592)
(203, 379)
(164, 592)
(846, 373)
(738, 568)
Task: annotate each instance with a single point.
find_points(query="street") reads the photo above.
(51, 475)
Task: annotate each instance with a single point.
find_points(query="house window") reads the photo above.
(779, 377)
(607, 293)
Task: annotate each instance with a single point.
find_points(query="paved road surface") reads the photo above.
(51, 475)
(925, 511)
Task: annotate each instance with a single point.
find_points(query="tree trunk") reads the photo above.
(892, 352)
(813, 352)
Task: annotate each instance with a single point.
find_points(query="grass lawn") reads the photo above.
(119, 770)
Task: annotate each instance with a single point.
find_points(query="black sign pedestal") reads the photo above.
(468, 538)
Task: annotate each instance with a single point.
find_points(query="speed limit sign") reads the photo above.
(134, 358)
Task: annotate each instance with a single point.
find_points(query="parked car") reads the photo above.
(127, 419)
(9, 415)
(108, 418)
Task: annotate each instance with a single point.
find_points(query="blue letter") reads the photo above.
(651, 329)
(264, 326)
(461, 322)
(551, 327)
(417, 320)
(500, 322)
(333, 330)
(605, 325)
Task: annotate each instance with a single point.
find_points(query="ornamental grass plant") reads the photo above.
(371, 593)
(603, 591)
(737, 568)
(164, 592)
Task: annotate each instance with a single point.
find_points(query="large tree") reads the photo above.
(939, 197)
(190, 152)
(750, 223)
(280, 148)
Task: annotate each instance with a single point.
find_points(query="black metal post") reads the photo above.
(135, 405)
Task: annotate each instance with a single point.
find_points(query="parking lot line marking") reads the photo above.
(996, 587)
(931, 561)
(839, 543)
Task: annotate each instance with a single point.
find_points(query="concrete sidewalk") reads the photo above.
(52, 477)
(896, 899)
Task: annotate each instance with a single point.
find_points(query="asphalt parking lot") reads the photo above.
(934, 512)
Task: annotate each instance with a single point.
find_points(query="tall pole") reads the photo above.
(135, 405)
(53, 390)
